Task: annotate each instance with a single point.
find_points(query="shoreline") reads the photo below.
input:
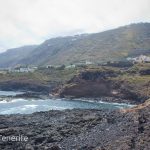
(39, 95)
(82, 129)
(10, 105)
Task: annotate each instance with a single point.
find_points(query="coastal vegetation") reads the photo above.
(91, 81)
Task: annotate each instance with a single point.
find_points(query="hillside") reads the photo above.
(112, 84)
(12, 56)
(116, 44)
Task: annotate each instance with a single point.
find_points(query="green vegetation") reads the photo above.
(129, 77)
(42, 75)
(46, 75)
(112, 45)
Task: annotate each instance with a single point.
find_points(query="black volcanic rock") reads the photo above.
(80, 129)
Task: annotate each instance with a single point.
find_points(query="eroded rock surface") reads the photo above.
(80, 129)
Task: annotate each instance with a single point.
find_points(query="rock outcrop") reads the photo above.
(100, 83)
(26, 85)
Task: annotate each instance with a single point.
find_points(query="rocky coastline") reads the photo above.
(25, 86)
(79, 129)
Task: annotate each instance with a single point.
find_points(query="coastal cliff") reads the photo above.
(110, 84)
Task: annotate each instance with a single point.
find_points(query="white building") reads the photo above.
(3, 72)
(70, 66)
(139, 59)
(23, 69)
(88, 63)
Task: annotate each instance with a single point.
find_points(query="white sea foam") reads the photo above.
(19, 109)
(3, 101)
(11, 100)
(57, 108)
(30, 106)
(24, 106)
(104, 102)
(121, 104)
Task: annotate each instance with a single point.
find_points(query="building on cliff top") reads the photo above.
(139, 59)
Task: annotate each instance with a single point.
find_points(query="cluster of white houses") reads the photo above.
(73, 65)
(22, 69)
(139, 59)
(18, 69)
(26, 69)
(80, 63)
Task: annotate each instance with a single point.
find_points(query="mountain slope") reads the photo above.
(12, 56)
(116, 44)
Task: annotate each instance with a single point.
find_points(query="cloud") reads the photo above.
(32, 21)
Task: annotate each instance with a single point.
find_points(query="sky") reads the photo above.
(25, 22)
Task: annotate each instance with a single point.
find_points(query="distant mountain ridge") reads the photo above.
(12, 56)
(115, 44)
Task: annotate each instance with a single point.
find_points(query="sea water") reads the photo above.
(27, 106)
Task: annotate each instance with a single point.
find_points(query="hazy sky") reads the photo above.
(25, 22)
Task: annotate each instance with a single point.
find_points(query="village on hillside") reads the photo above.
(139, 59)
(27, 69)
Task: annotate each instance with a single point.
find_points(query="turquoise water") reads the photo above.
(24, 106)
(9, 93)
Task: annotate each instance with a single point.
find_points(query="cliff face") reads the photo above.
(101, 83)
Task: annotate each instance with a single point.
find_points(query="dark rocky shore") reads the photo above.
(82, 129)
(79, 129)
(27, 85)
